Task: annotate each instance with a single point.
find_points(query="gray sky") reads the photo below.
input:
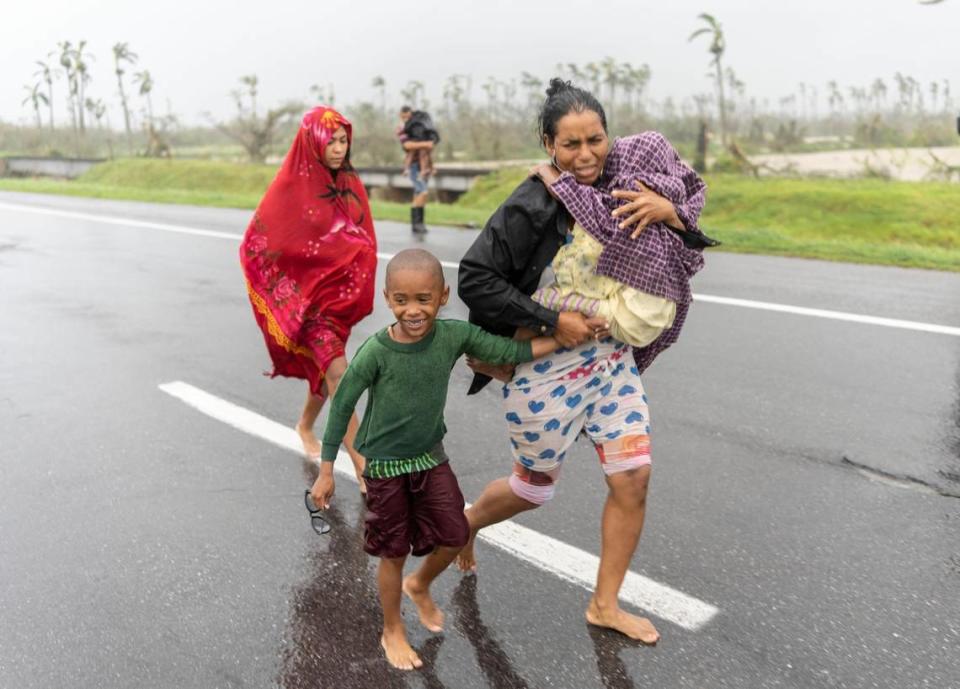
(196, 50)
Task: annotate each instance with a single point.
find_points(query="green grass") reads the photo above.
(912, 224)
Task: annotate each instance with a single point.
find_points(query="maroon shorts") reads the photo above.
(417, 511)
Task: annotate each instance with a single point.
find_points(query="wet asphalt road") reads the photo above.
(144, 544)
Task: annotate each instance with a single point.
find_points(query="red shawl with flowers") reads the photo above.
(310, 255)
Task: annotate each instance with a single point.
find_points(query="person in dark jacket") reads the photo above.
(418, 136)
(591, 385)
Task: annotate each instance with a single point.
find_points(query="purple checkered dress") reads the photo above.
(657, 262)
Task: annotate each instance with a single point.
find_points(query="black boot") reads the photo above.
(416, 220)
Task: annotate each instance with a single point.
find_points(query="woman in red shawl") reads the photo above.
(310, 258)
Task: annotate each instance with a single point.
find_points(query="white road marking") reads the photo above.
(729, 301)
(126, 222)
(835, 315)
(556, 557)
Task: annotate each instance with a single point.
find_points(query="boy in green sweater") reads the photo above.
(413, 499)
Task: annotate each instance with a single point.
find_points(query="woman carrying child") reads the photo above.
(309, 257)
(633, 282)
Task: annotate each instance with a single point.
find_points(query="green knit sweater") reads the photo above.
(407, 386)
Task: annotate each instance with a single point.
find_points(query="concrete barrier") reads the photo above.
(25, 166)
(447, 183)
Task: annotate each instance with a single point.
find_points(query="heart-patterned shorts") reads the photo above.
(594, 389)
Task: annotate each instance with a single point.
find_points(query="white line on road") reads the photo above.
(126, 222)
(729, 301)
(835, 315)
(559, 558)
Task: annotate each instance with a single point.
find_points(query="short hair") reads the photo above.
(416, 259)
(406, 108)
(562, 99)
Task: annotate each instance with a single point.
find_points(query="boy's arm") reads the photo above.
(359, 375)
(494, 349)
(357, 378)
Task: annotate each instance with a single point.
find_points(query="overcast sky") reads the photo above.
(196, 50)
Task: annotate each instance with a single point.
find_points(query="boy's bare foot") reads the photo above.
(431, 616)
(398, 651)
(467, 560)
(310, 443)
(637, 628)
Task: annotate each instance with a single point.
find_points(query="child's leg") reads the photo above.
(417, 586)
(552, 298)
(441, 530)
(394, 640)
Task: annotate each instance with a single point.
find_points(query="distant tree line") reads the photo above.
(480, 119)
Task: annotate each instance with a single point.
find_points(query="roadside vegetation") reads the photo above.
(912, 224)
(79, 104)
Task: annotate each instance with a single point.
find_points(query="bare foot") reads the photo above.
(310, 443)
(467, 560)
(398, 651)
(431, 616)
(637, 628)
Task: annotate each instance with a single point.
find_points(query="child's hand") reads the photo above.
(546, 172)
(323, 487)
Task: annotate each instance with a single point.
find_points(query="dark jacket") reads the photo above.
(420, 127)
(502, 267)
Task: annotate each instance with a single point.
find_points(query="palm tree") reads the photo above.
(146, 86)
(250, 81)
(413, 93)
(82, 76)
(717, 47)
(66, 61)
(47, 75)
(592, 70)
(121, 54)
(879, 92)
(576, 73)
(611, 77)
(534, 88)
(640, 77)
(97, 110)
(380, 84)
(34, 97)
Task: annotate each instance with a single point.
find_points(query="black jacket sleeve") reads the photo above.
(500, 271)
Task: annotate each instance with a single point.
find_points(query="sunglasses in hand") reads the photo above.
(319, 524)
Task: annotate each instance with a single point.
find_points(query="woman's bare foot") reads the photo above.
(467, 560)
(637, 628)
(431, 616)
(398, 651)
(310, 443)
